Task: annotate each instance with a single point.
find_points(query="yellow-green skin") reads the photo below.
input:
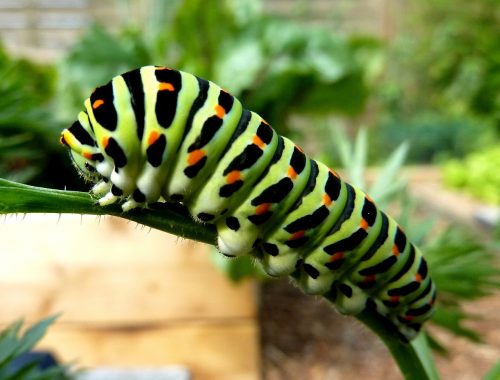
(156, 134)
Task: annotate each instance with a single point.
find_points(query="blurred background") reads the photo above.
(401, 97)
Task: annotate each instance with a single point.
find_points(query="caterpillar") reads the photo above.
(156, 133)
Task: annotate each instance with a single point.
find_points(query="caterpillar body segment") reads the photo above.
(245, 159)
(160, 134)
(267, 203)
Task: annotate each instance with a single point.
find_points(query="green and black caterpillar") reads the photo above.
(156, 133)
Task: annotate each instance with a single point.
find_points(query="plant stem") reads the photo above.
(173, 218)
(413, 359)
(16, 198)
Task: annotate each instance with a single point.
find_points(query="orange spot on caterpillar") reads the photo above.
(220, 111)
(105, 141)
(337, 256)
(418, 277)
(234, 176)
(297, 235)
(395, 250)
(153, 136)
(394, 299)
(407, 317)
(327, 201)
(164, 86)
(97, 103)
(369, 198)
(258, 141)
(262, 208)
(370, 278)
(162, 68)
(195, 156)
(299, 148)
(363, 224)
(87, 155)
(292, 173)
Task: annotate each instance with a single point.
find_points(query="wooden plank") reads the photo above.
(211, 351)
(108, 270)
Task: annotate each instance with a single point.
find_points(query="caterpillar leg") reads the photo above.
(281, 264)
(108, 199)
(101, 188)
(104, 191)
(232, 245)
(130, 204)
(350, 299)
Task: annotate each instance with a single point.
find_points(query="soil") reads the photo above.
(303, 338)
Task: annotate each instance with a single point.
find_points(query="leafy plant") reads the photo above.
(478, 174)
(28, 133)
(455, 254)
(459, 66)
(494, 373)
(434, 137)
(441, 79)
(13, 344)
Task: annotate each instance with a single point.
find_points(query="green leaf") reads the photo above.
(346, 96)
(13, 344)
(34, 334)
(451, 319)
(389, 181)
(357, 166)
(494, 373)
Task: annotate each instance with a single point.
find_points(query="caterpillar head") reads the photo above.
(83, 148)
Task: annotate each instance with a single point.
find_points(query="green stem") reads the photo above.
(18, 198)
(414, 359)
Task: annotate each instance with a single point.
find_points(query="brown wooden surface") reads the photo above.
(130, 296)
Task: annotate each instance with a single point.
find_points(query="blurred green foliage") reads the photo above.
(29, 150)
(434, 138)
(464, 267)
(451, 61)
(442, 79)
(478, 174)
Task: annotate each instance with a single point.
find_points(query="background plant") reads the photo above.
(477, 174)
(441, 79)
(14, 343)
(29, 149)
